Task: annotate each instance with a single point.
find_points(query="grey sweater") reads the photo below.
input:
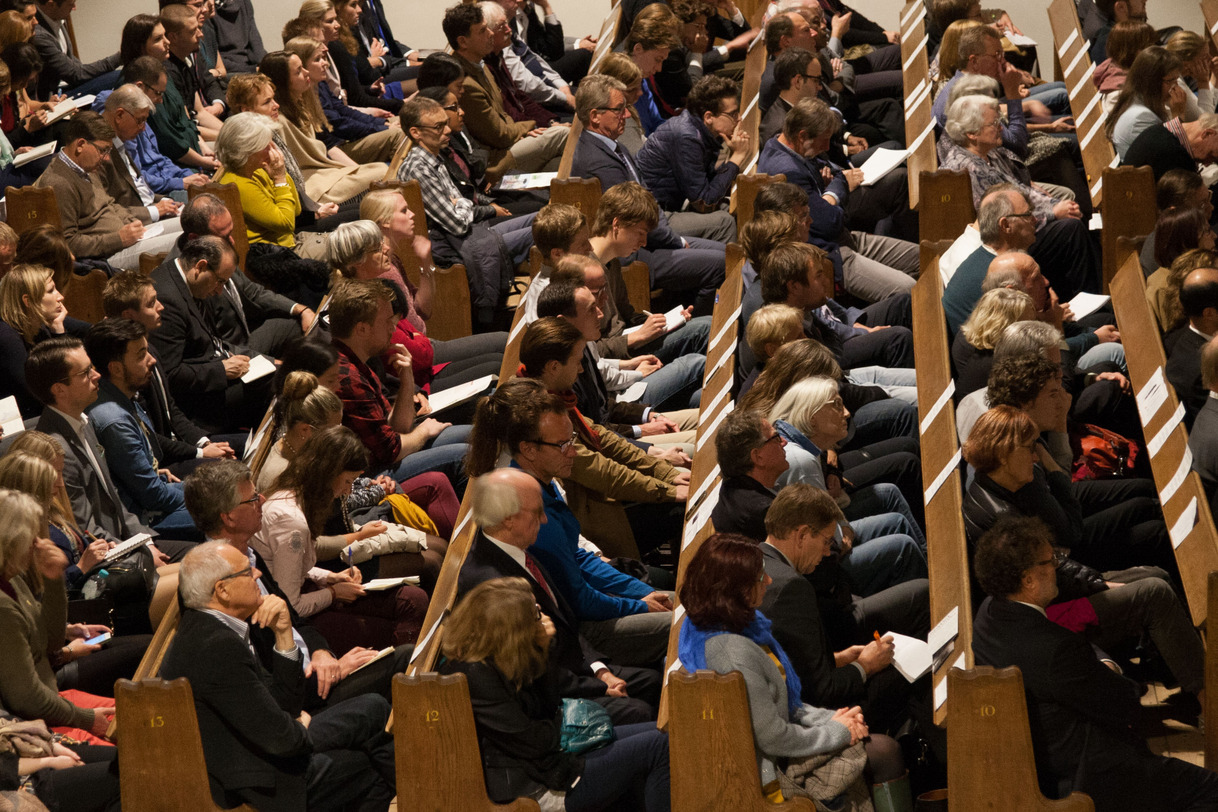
(776, 734)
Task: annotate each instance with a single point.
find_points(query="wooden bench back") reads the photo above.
(1209, 10)
(990, 764)
(444, 596)
(1197, 552)
(950, 197)
(150, 262)
(747, 187)
(709, 727)
(947, 548)
(436, 747)
(150, 663)
(160, 761)
(1129, 212)
(228, 193)
(1089, 119)
(608, 36)
(83, 295)
(30, 206)
(750, 101)
(1211, 682)
(582, 193)
(918, 96)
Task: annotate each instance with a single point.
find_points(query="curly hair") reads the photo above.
(1017, 381)
(1006, 551)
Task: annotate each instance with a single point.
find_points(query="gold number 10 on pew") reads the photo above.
(988, 710)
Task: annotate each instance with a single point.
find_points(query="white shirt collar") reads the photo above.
(515, 553)
(1040, 609)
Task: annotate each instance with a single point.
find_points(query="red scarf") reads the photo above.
(582, 427)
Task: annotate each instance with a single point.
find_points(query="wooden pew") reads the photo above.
(29, 206)
(82, 296)
(988, 737)
(150, 663)
(436, 747)
(150, 262)
(454, 319)
(1209, 10)
(604, 45)
(444, 597)
(747, 187)
(917, 95)
(709, 725)
(947, 548)
(161, 759)
(1211, 682)
(750, 91)
(1129, 213)
(951, 196)
(1197, 551)
(227, 192)
(1089, 120)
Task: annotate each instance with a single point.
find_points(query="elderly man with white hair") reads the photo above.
(1063, 243)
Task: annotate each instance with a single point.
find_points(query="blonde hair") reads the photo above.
(949, 48)
(23, 521)
(995, 311)
(351, 242)
(771, 325)
(29, 474)
(379, 205)
(304, 400)
(802, 400)
(14, 28)
(22, 281)
(45, 447)
(496, 623)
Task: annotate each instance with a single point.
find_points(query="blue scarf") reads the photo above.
(691, 650)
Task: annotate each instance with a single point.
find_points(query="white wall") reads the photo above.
(99, 23)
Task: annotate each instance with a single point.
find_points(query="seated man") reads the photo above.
(93, 223)
(558, 231)
(513, 145)
(538, 25)
(236, 646)
(1203, 439)
(203, 367)
(680, 164)
(531, 71)
(1083, 716)
(177, 135)
(1175, 144)
(797, 75)
(126, 110)
(869, 266)
(675, 263)
(751, 458)
(131, 295)
(62, 71)
(162, 175)
(801, 528)
(135, 455)
(519, 104)
(362, 323)
(1199, 300)
(619, 615)
(237, 37)
(507, 507)
(225, 506)
(199, 89)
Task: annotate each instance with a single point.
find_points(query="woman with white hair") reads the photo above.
(253, 163)
(811, 417)
(1063, 242)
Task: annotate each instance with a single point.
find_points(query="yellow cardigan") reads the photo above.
(270, 210)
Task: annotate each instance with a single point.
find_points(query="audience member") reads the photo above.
(1199, 302)
(63, 70)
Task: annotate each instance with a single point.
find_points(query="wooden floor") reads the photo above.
(1171, 737)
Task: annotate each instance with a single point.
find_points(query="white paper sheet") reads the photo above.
(10, 417)
(672, 320)
(633, 392)
(69, 106)
(381, 584)
(380, 655)
(1184, 525)
(152, 230)
(945, 631)
(453, 395)
(1084, 304)
(260, 367)
(40, 151)
(881, 162)
(533, 180)
(1152, 396)
(1177, 479)
(911, 656)
(1020, 40)
(1156, 442)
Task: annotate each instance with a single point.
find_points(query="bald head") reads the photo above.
(1016, 265)
(507, 505)
(1199, 299)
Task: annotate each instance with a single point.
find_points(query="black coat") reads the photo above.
(1157, 148)
(1183, 346)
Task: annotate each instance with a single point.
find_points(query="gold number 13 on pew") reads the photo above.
(156, 721)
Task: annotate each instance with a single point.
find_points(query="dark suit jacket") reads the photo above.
(569, 651)
(791, 605)
(543, 37)
(247, 709)
(1203, 442)
(58, 66)
(1157, 148)
(1183, 347)
(741, 509)
(170, 421)
(184, 346)
(594, 159)
(95, 502)
(258, 304)
(772, 121)
(118, 182)
(185, 78)
(1080, 712)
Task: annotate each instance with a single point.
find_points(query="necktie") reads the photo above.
(530, 564)
(210, 321)
(230, 289)
(93, 451)
(625, 156)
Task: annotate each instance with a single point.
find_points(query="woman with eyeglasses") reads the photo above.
(1151, 95)
(295, 515)
(498, 637)
(1013, 474)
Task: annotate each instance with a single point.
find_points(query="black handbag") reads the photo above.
(126, 584)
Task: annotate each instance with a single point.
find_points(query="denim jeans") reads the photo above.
(1110, 353)
(883, 507)
(882, 562)
(445, 453)
(673, 385)
(900, 383)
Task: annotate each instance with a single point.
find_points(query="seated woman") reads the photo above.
(1127, 39)
(10, 173)
(1192, 50)
(1151, 95)
(724, 585)
(78, 665)
(1180, 232)
(254, 93)
(53, 768)
(252, 163)
(1003, 450)
(1064, 248)
(376, 249)
(330, 175)
(499, 639)
(32, 601)
(350, 78)
(304, 407)
(363, 137)
(31, 309)
(22, 119)
(295, 515)
(973, 347)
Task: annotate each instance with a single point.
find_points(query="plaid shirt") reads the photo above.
(366, 409)
(446, 208)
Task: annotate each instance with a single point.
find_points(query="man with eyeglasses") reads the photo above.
(127, 110)
(680, 165)
(797, 75)
(94, 225)
(237, 648)
(1085, 717)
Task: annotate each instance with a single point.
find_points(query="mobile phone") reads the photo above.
(101, 638)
